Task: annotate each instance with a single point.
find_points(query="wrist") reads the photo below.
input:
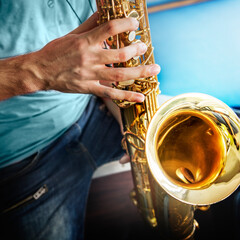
(16, 77)
(33, 79)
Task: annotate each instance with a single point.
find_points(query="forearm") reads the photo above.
(16, 77)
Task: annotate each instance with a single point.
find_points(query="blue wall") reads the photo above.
(198, 48)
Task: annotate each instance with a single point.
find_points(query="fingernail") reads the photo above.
(155, 69)
(140, 98)
(135, 22)
(143, 47)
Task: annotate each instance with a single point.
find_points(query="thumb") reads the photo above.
(124, 159)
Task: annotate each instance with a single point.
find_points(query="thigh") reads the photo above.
(45, 197)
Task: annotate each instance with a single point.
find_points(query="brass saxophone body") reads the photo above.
(185, 153)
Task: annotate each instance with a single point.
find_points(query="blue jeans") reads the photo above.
(45, 195)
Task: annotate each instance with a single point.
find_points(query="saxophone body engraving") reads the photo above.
(174, 170)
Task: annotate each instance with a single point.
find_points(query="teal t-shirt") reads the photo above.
(30, 122)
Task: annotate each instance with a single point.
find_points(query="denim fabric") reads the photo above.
(45, 195)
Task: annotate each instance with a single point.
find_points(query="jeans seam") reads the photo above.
(78, 127)
(90, 159)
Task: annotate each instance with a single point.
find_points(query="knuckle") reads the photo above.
(84, 54)
(111, 28)
(82, 58)
(101, 75)
(81, 43)
(144, 71)
(85, 59)
(78, 71)
(130, 96)
(82, 73)
(108, 94)
(122, 56)
(118, 75)
(116, 94)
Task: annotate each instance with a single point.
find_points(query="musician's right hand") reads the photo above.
(76, 63)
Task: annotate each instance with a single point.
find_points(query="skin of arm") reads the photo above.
(76, 63)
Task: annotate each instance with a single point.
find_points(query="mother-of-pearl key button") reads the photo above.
(131, 36)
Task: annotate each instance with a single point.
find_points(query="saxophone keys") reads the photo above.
(133, 14)
(131, 36)
(133, 196)
(126, 83)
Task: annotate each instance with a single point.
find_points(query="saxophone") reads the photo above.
(184, 154)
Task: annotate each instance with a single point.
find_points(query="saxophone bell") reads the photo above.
(192, 149)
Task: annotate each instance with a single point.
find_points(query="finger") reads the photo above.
(125, 74)
(116, 94)
(108, 56)
(112, 28)
(107, 83)
(89, 24)
(124, 159)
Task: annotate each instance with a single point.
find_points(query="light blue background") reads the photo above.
(198, 48)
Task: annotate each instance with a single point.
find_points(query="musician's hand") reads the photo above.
(124, 159)
(76, 63)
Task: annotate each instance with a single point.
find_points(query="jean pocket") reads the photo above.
(16, 170)
(26, 200)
